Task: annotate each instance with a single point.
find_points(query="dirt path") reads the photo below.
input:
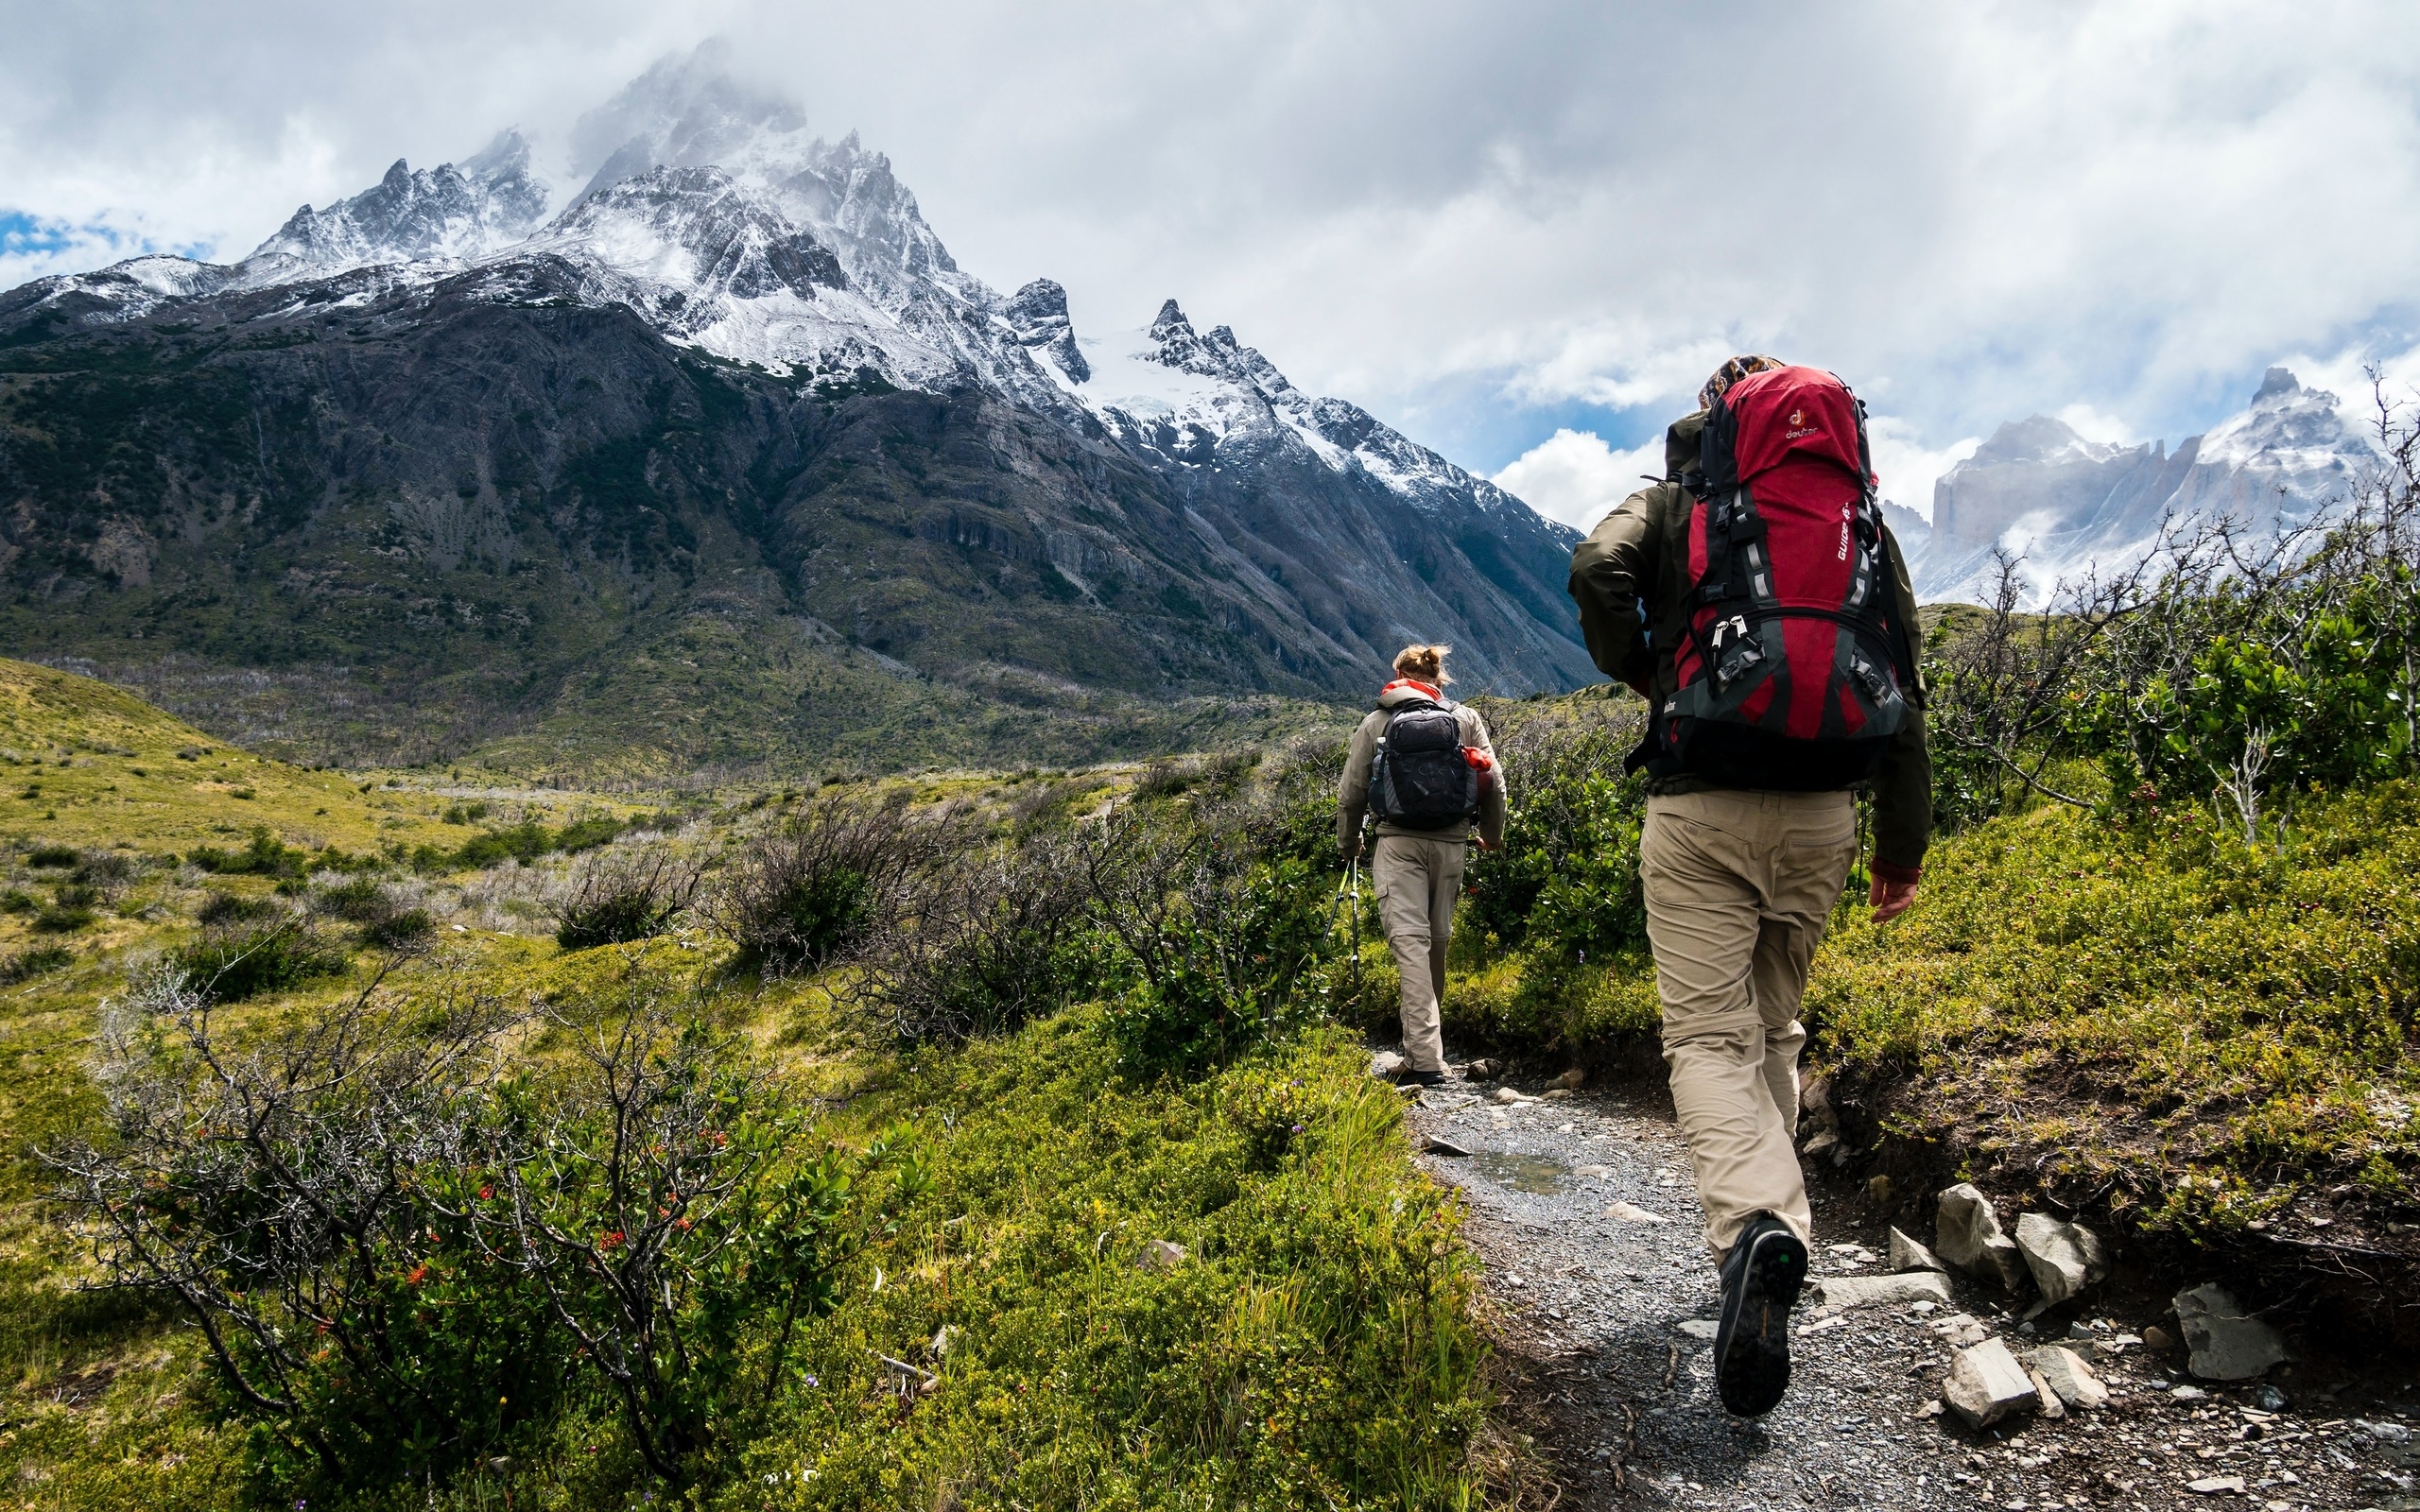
(1600, 1321)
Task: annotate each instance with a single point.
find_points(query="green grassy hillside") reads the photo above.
(86, 765)
(993, 1229)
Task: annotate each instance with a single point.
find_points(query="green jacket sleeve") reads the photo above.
(1609, 571)
(1903, 783)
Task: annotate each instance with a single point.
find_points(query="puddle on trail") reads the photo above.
(1523, 1173)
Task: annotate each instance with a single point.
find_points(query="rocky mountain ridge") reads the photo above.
(2042, 491)
(431, 456)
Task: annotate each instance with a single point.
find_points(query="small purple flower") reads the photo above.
(1298, 1128)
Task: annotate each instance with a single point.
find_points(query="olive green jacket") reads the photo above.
(1641, 551)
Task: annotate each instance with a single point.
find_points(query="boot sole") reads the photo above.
(1753, 1370)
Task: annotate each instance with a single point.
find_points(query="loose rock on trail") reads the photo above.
(1582, 1211)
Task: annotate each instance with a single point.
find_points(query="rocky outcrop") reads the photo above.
(2042, 491)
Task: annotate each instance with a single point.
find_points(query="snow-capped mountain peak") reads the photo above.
(448, 214)
(2065, 504)
(2287, 427)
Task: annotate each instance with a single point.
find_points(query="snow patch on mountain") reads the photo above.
(2067, 504)
(448, 214)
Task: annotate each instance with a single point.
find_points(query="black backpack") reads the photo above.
(1421, 778)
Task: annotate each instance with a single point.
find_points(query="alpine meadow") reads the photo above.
(657, 850)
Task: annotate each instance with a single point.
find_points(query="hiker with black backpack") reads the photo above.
(1759, 603)
(1423, 767)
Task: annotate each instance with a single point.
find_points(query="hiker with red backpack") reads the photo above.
(1759, 603)
(1421, 766)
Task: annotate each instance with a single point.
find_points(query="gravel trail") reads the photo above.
(1603, 1324)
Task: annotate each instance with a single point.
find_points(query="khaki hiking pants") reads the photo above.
(1738, 887)
(1417, 878)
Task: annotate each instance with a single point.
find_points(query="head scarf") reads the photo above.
(1731, 372)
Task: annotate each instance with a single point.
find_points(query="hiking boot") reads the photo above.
(1760, 1282)
(1426, 1078)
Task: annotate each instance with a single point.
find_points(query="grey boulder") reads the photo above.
(1866, 1291)
(1967, 1234)
(2065, 1374)
(1908, 1254)
(2227, 1342)
(1985, 1385)
(2065, 1258)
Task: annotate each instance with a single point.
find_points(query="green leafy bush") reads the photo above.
(53, 856)
(806, 892)
(264, 855)
(63, 918)
(403, 929)
(632, 893)
(220, 908)
(26, 965)
(2158, 1003)
(402, 1258)
(242, 962)
(1218, 943)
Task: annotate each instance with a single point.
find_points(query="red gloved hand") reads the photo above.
(1890, 899)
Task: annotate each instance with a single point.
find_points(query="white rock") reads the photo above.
(1160, 1254)
(1697, 1328)
(1967, 1234)
(1631, 1212)
(1985, 1385)
(2065, 1258)
(1571, 1081)
(2228, 1344)
(1506, 1098)
(2068, 1376)
(1960, 1329)
(1841, 1292)
(2217, 1486)
(1386, 1065)
(1907, 1254)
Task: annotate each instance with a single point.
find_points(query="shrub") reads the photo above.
(1565, 882)
(1217, 939)
(629, 894)
(652, 1205)
(357, 900)
(279, 1195)
(802, 894)
(26, 965)
(109, 874)
(993, 943)
(18, 900)
(232, 908)
(53, 856)
(62, 918)
(263, 856)
(229, 965)
(398, 1255)
(403, 930)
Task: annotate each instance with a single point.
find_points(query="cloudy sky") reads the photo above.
(1522, 231)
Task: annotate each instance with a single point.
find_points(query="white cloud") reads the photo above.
(2093, 426)
(1575, 477)
(1907, 468)
(1972, 213)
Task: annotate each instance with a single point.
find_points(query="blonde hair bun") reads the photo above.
(1424, 664)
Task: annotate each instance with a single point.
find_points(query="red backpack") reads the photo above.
(1791, 671)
